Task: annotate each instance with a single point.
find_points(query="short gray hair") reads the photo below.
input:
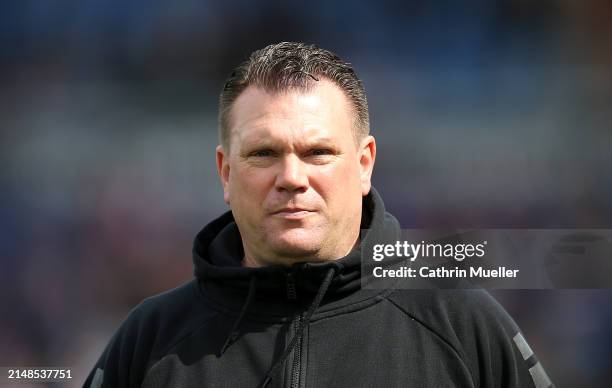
(287, 65)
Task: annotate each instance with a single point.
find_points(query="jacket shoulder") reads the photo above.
(150, 329)
(452, 307)
(479, 329)
(170, 316)
(169, 302)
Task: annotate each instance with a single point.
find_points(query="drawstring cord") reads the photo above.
(235, 332)
(315, 304)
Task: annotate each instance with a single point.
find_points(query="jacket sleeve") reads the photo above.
(504, 358)
(123, 362)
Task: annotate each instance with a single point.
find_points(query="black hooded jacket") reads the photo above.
(312, 325)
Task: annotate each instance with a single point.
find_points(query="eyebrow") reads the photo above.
(317, 140)
(268, 142)
(280, 147)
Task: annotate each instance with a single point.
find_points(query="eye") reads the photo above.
(261, 153)
(321, 152)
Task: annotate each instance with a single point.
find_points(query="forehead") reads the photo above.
(322, 110)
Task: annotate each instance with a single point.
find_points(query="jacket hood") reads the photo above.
(217, 257)
(218, 253)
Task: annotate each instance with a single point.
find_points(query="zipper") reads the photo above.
(298, 322)
(297, 357)
(291, 290)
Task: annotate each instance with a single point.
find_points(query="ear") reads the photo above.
(367, 157)
(223, 169)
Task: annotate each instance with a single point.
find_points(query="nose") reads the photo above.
(292, 175)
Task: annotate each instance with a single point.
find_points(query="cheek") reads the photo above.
(248, 185)
(336, 182)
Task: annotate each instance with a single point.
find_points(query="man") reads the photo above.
(277, 299)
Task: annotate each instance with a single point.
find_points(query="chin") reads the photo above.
(298, 246)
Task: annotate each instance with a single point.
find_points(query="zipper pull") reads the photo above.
(291, 289)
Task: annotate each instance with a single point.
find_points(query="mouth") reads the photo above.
(293, 213)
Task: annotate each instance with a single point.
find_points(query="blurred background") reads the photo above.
(487, 114)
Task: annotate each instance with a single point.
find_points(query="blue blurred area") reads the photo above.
(487, 114)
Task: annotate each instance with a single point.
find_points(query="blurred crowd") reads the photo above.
(488, 114)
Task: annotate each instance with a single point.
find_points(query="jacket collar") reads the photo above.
(217, 256)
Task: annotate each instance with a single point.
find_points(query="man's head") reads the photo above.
(295, 157)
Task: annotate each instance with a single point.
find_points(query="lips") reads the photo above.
(291, 210)
(293, 213)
